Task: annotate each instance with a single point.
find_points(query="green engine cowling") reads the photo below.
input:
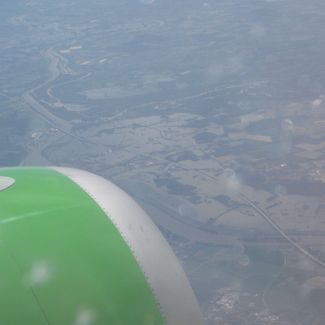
(76, 249)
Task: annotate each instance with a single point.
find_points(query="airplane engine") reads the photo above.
(76, 249)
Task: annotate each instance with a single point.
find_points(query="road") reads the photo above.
(281, 232)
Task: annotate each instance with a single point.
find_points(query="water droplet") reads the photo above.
(280, 190)
(232, 181)
(317, 102)
(244, 260)
(39, 274)
(229, 173)
(85, 317)
(287, 125)
(187, 210)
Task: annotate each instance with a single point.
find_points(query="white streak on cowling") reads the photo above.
(6, 182)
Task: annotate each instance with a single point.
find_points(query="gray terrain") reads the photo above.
(211, 114)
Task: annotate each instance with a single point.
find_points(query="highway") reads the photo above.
(281, 232)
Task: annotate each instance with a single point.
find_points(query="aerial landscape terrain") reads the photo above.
(211, 114)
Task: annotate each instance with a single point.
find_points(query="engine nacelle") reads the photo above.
(76, 249)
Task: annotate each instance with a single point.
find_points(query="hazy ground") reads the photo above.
(211, 114)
